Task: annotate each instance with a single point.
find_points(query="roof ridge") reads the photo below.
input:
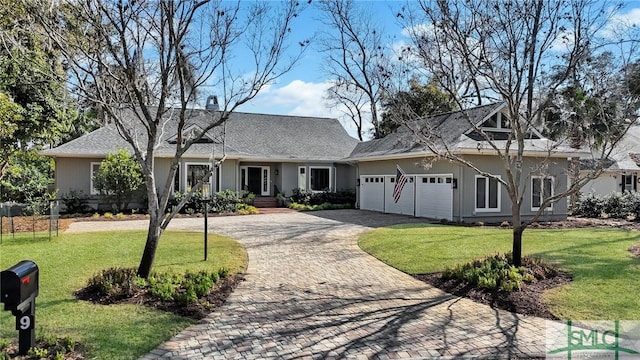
(468, 109)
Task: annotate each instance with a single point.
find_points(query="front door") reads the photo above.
(254, 181)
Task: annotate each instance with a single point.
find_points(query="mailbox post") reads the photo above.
(19, 286)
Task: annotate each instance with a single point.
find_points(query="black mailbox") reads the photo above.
(19, 285)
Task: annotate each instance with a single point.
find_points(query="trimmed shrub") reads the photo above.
(115, 282)
(75, 201)
(615, 205)
(325, 206)
(494, 272)
(303, 197)
(589, 205)
(118, 178)
(227, 201)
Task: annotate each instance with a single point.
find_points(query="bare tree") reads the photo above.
(143, 63)
(351, 102)
(355, 52)
(522, 53)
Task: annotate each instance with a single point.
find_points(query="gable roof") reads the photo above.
(453, 130)
(247, 136)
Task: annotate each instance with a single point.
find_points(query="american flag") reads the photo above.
(401, 179)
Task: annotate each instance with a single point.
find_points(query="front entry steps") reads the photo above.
(265, 202)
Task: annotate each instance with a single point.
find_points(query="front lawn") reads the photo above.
(606, 274)
(108, 331)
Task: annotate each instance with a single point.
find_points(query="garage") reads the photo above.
(405, 202)
(434, 196)
(372, 193)
(428, 196)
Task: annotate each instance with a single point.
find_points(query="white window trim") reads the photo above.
(475, 194)
(183, 183)
(178, 174)
(304, 180)
(217, 177)
(265, 180)
(245, 184)
(92, 188)
(498, 127)
(331, 184)
(550, 207)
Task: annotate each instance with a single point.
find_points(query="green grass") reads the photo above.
(113, 331)
(606, 275)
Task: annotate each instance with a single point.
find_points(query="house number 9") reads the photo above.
(25, 322)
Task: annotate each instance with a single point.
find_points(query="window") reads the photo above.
(302, 178)
(487, 194)
(95, 166)
(541, 189)
(629, 182)
(195, 173)
(497, 121)
(320, 179)
(265, 180)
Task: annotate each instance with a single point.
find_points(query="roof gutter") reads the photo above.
(484, 152)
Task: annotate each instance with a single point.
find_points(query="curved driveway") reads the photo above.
(310, 292)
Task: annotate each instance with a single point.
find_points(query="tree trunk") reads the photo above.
(149, 254)
(516, 251)
(517, 245)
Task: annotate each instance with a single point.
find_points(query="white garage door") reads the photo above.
(404, 205)
(372, 193)
(434, 196)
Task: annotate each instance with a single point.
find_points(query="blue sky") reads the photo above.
(301, 91)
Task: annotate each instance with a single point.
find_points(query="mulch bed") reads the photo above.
(196, 311)
(527, 301)
(22, 224)
(76, 353)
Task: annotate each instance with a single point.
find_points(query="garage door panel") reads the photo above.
(372, 193)
(435, 197)
(405, 204)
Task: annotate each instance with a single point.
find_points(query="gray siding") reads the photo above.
(230, 175)
(289, 177)
(73, 174)
(464, 195)
(557, 169)
(161, 171)
(346, 177)
(415, 167)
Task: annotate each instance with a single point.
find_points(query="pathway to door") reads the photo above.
(310, 292)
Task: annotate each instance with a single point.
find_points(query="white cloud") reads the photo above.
(298, 98)
(295, 98)
(632, 17)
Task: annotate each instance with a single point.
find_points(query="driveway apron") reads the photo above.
(310, 292)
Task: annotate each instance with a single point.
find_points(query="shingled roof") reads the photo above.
(452, 130)
(247, 136)
(625, 156)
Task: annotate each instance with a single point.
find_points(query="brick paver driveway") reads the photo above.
(310, 292)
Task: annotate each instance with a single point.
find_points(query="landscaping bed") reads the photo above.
(526, 301)
(196, 310)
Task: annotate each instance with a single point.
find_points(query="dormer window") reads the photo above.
(498, 127)
(497, 122)
(192, 132)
